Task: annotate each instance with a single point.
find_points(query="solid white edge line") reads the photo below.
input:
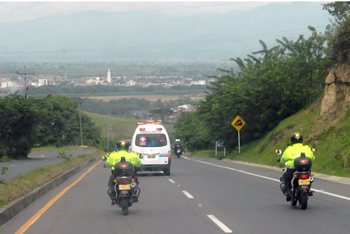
(187, 194)
(171, 181)
(268, 178)
(220, 224)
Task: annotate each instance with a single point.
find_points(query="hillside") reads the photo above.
(122, 127)
(325, 125)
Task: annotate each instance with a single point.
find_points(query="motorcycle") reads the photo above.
(301, 182)
(178, 152)
(125, 186)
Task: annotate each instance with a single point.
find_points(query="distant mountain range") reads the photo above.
(100, 36)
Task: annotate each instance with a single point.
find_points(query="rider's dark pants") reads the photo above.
(288, 176)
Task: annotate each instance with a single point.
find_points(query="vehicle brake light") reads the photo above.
(169, 156)
(305, 191)
(304, 160)
(124, 181)
(304, 176)
(123, 165)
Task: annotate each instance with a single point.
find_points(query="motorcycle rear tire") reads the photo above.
(303, 201)
(125, 206)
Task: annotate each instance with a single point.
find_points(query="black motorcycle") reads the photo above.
(125, 185)
(301, 182)
(178, 152)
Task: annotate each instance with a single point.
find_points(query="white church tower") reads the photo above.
(109, 79)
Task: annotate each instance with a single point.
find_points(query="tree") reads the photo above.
(339, 32)
(162, 113)
(19, 121)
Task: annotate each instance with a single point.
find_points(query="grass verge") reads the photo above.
(25, 184)
(330, 137)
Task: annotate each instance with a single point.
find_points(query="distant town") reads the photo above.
(144, 81)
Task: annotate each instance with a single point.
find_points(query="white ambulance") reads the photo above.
(152, 143)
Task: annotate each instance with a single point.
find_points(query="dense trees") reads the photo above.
(266, 90)
(53, 120)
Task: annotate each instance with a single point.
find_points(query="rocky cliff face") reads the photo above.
(337, 93)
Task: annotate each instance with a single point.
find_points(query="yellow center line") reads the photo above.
(52, 201)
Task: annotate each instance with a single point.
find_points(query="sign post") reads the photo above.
(238, 124)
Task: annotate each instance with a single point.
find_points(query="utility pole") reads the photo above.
(78, 99)
(24, 74)
(109, 130)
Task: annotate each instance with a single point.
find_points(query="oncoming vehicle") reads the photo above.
(151, 142)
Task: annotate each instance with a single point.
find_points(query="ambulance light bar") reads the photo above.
(150, 121)
(139, 123)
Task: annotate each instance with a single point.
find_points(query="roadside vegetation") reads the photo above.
(25, 184)
(267, 89)
(331, 139)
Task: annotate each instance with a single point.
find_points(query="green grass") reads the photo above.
(330, 137)
(5, 159)
(122, 127)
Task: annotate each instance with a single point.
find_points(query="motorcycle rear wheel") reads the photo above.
(303, 201)
(125, 207)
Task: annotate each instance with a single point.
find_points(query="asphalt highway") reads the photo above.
(201, 195)
(37, 159)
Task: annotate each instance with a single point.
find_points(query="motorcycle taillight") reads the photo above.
(304, 176)
(124, 181)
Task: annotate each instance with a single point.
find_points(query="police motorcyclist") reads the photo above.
(115, 157)
(177, 146)
(292, 152)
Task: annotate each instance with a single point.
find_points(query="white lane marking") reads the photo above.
(178, 185)
(200, 205)
(268, 178)
(171, 181)
(220, 224)
(187, 194)
(12, 165)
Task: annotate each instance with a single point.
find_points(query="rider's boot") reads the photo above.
(112, 196)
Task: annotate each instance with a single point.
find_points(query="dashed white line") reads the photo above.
(187, 194)
(268, 178)
(12, 165)
(220, 224)
(171, 181)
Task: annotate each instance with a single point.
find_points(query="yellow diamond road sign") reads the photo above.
(238, 123)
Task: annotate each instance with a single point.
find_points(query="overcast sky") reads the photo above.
(15, 11)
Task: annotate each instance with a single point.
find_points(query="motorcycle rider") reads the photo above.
(115, 157)
(292, 152)
(177, 146)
